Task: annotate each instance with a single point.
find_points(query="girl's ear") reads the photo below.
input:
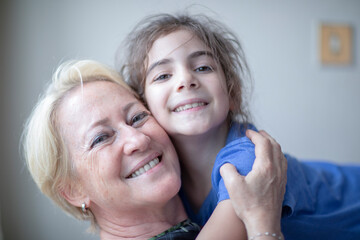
(75, 195)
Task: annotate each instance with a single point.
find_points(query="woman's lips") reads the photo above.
(146, 167)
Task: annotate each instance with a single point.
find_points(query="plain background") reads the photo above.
(311, 109)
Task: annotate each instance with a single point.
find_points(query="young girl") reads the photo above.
(190, 71)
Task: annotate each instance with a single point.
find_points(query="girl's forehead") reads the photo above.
(167, 44)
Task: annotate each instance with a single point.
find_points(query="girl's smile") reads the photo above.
(185, 87)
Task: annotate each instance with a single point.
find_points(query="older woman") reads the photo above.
(96, 151)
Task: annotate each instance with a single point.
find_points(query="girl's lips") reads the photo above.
(189, 104)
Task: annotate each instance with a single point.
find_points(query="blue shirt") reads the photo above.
(322, 200)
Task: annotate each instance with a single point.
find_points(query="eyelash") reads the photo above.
(204, 68)
(208, 68)
(135, 121)
(138, 117)
(162, 77)
(98, 139)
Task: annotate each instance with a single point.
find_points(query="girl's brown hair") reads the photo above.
(223, 44)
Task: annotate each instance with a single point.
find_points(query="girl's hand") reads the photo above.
(257, 198)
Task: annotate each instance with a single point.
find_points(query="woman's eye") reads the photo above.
(138, 118)
(162, 77)
(99, 139)
(203, 69)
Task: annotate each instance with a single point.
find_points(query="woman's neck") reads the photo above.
(142, 224)
(197, 156)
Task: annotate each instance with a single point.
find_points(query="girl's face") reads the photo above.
(124, 161)
(185, 87)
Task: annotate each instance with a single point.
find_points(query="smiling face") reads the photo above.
(123, 159)
(185, 87)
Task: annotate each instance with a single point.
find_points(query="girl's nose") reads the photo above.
(134, 140)
(187, 81)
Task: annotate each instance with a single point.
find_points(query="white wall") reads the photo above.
(312, 110)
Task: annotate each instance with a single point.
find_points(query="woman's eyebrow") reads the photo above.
(157, 63)
(106, 120)
(126, 108)
(88, 132)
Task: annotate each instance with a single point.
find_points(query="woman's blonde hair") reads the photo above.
(223, 43)
(46, 154)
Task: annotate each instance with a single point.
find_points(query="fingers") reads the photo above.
(230, 175)
(261, 137)
(269, 156)
(278, 156)
(263, 148)
(227, 170)
(258, 138)
(266, 147)
(276, 146)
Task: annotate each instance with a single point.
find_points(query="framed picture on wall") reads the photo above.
(335, 44)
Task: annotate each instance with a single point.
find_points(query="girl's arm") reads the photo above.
(223, 224)
(255, 199)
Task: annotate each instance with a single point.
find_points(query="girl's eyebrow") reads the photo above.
(166, 60)
(200, 53)
(157, 63)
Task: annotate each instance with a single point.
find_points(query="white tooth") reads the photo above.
(147, 167)
(188, 106)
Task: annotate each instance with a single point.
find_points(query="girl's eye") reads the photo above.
(162, 77)
(138, 118)
(204, 69)
(99, 139)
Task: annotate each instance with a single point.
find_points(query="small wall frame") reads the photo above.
(335, 44)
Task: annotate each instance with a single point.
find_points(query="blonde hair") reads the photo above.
(45, 152)
(224, 45)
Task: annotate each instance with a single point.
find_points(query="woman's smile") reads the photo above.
(145, 167)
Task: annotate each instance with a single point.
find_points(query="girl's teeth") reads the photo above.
(189, 106)
(145, 168)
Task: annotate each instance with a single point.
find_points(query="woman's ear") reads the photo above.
(75, 195)
(231, 104)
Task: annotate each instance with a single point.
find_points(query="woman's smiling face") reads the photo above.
(123, 159)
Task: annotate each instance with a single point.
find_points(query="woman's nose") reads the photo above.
(134, 140)
(187, 80)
